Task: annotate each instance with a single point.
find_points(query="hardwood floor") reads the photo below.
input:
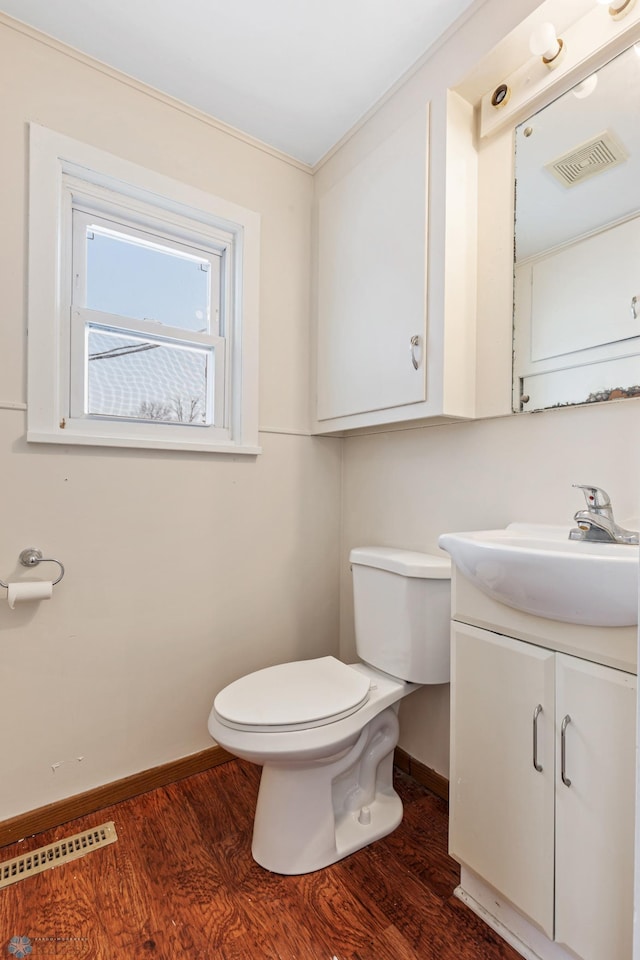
(181, 882)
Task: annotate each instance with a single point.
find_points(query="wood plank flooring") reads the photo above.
(181, 883)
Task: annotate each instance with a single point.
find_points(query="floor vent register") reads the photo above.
(54, 854)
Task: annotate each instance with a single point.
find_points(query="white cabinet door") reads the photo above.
(595, 813)
(501, 806)
(372, 279)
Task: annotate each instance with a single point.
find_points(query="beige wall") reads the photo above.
(183, 570)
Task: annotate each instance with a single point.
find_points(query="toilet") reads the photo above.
(324, 732)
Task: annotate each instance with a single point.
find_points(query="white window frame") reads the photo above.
(108, 212)
(67, 174)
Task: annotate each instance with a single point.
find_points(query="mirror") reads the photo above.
(577, 243)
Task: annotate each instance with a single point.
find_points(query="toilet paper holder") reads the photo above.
(31, 557)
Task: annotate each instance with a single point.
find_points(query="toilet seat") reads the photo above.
(292, 696)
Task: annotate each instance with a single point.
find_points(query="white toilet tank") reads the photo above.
(402, 606)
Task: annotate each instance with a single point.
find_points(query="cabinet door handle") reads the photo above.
(563, 751)
(536, 713)
(415, 342)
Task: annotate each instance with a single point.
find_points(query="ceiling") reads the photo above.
(296, 74)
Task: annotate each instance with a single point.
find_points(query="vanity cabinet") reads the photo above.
(542, 788)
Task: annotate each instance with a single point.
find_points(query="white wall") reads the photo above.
(184, 571)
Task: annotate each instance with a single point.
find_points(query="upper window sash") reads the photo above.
(199, 269)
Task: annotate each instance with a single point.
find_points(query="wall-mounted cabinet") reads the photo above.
(542, 790)
(403, 252)
(372, 261)
(395, 336)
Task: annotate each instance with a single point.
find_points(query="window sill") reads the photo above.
(143, 443)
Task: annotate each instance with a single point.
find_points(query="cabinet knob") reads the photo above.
(415, 342)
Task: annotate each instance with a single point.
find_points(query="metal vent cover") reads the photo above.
(588, 159)
(54, 854)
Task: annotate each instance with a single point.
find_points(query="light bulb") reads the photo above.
(582, 90)
(544, 42)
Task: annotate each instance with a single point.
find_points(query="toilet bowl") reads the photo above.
(325, 731)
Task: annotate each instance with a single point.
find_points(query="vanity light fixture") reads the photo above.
(544, 42)
(617, 8)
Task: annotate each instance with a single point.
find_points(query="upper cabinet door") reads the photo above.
(372, 279)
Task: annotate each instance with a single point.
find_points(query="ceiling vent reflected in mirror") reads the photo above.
(588, 159)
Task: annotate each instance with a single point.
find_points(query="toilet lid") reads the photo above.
(293, 696)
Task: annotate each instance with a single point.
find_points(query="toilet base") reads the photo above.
(310, 815)
(384, 815)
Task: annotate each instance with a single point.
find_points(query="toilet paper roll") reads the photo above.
(25, 590)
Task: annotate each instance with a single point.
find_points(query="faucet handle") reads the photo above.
(597, 499)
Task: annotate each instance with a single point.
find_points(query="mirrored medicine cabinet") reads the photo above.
(577, 243)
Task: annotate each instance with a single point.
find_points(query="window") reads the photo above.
(147, 323)
(142, 306)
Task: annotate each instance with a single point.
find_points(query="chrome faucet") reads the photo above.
(596, 522)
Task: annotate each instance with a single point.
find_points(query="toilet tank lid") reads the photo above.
(408, 563)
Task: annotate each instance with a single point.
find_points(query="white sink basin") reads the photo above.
(537, 569)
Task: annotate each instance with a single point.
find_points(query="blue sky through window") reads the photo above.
(147, 282)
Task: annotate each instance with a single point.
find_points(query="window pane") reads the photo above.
(137, 378)
(145, 281)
